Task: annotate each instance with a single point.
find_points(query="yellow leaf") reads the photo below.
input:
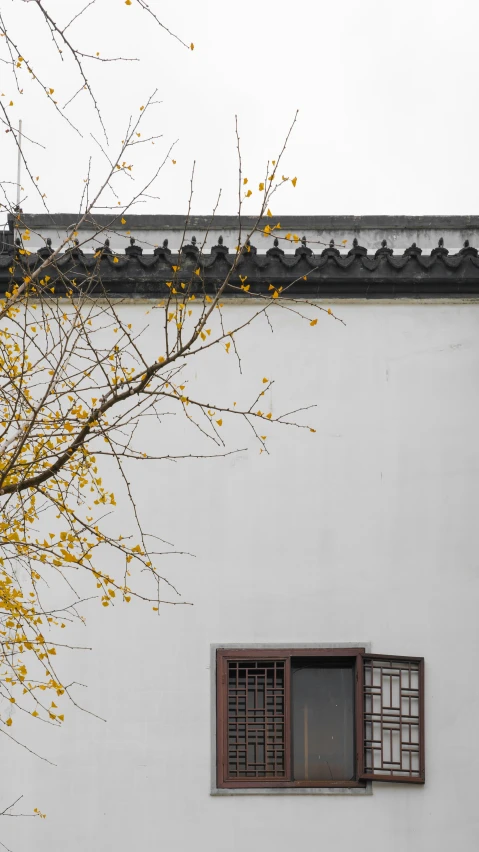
(267, 230)
(344, 242)
(268, 212)
(61, 717)
(248, 193)
(175, 268)
(245, 180)
(197, 271)
(275, 294)
(51, 91)
(9, 722)
(34, 713)
(269, 416)
(123, 221)
(329, 311)
(115, 260)
(273, 162)
(174, 162)
(192, 47)
(261, 187)
(142, 108)
(264, 381)
(127, 2)
(294, 181)
(313, 322)
(219, 422)
(312, 430)
(10, 104)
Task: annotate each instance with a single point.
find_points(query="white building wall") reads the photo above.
(364, 531)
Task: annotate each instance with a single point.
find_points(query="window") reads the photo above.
(330, 717)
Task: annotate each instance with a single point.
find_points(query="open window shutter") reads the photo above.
(390, 730)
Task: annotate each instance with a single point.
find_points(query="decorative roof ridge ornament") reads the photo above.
(331, 251)
(220, 248)
(75, 251)
(303, 250)
(191, 250)
(133, 250)
(46, 251)
(275, 251)
(104, 249)
(162, 251)
(384, 250)
(468, 250)
(440, 250)
(357, 250)
(412, 251)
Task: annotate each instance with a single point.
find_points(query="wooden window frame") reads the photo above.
(223, 656)
(358, 656)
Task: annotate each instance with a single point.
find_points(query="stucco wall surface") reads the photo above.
(365, 531)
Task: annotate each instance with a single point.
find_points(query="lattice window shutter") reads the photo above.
(390, 732)
(254, 715)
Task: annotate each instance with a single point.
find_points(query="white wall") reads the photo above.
(364, 531)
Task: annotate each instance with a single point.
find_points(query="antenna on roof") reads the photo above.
(19, 161)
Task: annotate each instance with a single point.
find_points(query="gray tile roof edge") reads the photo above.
(166, 222)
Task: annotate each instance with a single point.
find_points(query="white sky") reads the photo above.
(387, 93)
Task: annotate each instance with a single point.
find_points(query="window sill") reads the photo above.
(367, 790)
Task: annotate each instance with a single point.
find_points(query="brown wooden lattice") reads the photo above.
(255, 719)
(393, 725)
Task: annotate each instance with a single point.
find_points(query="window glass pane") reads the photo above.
(323, 722)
